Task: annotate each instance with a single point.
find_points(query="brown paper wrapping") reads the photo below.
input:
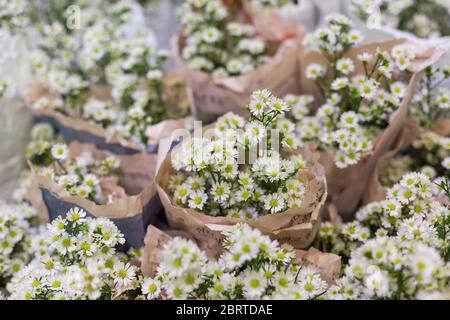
(347, 186)
(329, 265)
(137, 175)
(295, 226)
(442, 127)
(211, 98)
(155, 132)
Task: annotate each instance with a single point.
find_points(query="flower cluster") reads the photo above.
(13, 14)
(75, 259)
(409, 213)
(16, 228)
(424, 18)
(213, 175)
(391, 268)
(215, 42)
(342, 134)
(397, 248)
(251, 267)
(83, 175)
(116, 81)
(356, 105)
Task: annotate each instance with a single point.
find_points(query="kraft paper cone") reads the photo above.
(329, 265)
(347, 186)
(131, 213)
(295, 226)
(211, 98)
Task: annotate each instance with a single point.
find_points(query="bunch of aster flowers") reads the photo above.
(393, 268)
(216, 42)
(17, 226)
(409, 213)
(75, 259)
(423, 18)
(397, 248)
(356, 107)
(82, 175)
(245, 170)
(251, 267)
(116, 81)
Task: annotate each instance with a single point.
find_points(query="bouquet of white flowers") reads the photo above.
(225, 58)
(113, 94)
(75, 258)
(104, 185)
(16, 230)
(251, 266)
(409, 211)
(361, 96)
(398, 248)
(244, 171)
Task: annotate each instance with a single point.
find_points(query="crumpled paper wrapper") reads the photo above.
(442, 127)
(132, 213)
(78, 129)
(327, 264)
(211, 97)
(295, 226)
(347, 186)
